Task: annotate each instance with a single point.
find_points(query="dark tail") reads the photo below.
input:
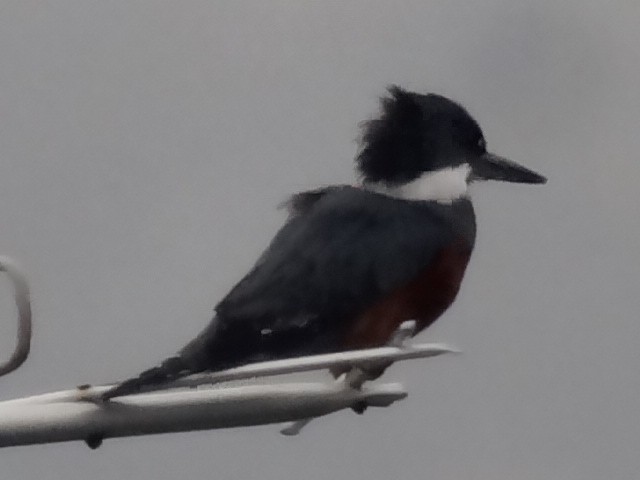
(170, 369)
(195, 357)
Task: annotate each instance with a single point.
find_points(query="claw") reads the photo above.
(405, 330)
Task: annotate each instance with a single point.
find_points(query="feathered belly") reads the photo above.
(423, 299)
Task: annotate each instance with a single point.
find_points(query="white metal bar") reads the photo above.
(76, 415)
(353, 358)
(180, 411)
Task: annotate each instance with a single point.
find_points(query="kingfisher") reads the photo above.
(353, 262)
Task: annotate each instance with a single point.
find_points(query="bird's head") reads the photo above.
(428, 145)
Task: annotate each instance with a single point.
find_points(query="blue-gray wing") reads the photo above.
(340, 251)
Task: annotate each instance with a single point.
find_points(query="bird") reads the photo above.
(353, 262)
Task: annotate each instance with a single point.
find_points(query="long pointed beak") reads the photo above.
(494, 167)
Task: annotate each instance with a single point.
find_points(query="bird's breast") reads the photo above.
(423, 299)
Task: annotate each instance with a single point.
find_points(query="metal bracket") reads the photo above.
(23, 303)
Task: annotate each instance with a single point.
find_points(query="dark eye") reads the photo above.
(482, 144)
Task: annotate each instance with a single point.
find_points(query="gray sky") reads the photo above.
(144, 147)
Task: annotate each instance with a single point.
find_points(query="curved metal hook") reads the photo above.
(21, 295)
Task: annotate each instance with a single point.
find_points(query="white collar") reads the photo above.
(444, 186)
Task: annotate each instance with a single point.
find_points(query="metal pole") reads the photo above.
(181, 411)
